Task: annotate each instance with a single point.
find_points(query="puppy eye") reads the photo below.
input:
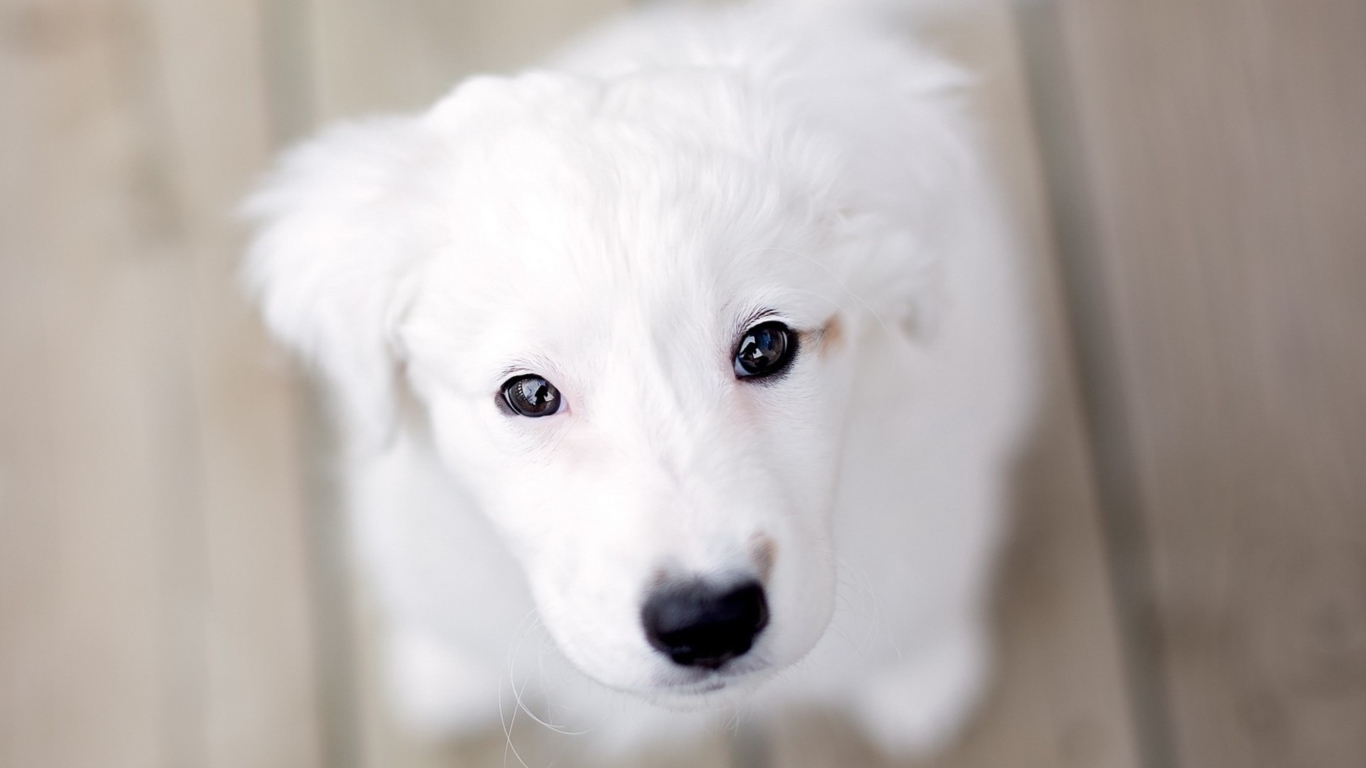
(532, 396)
(764, 350)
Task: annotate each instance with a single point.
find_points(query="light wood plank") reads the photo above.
(261, 690)
(96, 512)
(393, 55)
(154, 604)
(1224, 161)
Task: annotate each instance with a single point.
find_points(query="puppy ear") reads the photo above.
(910, 173)
(339, 232)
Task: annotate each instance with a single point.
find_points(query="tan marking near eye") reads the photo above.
(831, 336)
(764, 550)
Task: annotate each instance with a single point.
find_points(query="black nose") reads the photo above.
(700, 625)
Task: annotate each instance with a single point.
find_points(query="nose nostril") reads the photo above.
(699, 625)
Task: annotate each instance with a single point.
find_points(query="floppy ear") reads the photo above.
(343, 227)
(909, 168)
(339, 228)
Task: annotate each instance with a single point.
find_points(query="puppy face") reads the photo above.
(627, 312)
(642, 378)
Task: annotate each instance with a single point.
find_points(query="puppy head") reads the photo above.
(630, 313)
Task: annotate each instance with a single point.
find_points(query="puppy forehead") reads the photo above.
(610, 192)
(544, 215)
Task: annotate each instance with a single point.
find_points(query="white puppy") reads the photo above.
(702, 348)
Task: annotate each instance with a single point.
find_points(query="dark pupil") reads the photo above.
(762, 349)
(533, 395)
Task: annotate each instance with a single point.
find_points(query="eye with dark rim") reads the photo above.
(532, 396)
(765, 350)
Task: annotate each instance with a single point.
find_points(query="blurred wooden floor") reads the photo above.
(1188, 582)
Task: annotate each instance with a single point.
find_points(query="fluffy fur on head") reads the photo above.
(614, 224)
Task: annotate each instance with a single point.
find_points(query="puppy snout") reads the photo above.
(697, 624)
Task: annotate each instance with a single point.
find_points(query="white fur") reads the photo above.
(609, 222)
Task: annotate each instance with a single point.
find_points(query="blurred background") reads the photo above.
(1187, 582)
